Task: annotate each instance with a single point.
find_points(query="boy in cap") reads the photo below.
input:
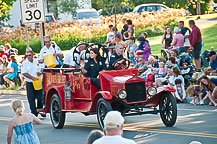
(113, 123)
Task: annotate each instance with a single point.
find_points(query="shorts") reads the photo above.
(197, 50)
(11, 76)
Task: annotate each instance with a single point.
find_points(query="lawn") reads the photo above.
(209, 36)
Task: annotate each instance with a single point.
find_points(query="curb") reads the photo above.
(13, 92)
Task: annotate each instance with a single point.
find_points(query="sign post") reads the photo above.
(32, 11)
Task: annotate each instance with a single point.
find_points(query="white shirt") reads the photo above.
(172, 79)
(30, 68)
(117, 139)
(47, 51)
(69, 58)
(183, 91)
(186, 41)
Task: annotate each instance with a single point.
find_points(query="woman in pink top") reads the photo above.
(178, 39)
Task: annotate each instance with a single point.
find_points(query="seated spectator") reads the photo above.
(178, 39)
(211, 89)
(94, 135)
(1, 65)
(12, 73)
(213, 64)
(176, 74)
(8, 49)
(162, 70)
(2, 52)
(141, 66)
(115, 31)
(180, 91)
(153, 62)
(131, 47)
(195, 91)
(172, 62)
(143, 48)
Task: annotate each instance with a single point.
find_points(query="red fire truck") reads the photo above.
(68, 90)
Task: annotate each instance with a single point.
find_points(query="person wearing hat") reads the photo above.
(69, 61)
(213, 64)
(114, 124)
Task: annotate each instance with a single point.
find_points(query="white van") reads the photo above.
(90, 14)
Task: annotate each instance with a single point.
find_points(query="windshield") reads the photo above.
(87, 15)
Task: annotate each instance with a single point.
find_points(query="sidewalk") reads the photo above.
(13, 92)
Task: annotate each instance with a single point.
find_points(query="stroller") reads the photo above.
(185, 66)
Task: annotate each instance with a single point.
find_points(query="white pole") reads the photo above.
(42, 39)
(27, 39)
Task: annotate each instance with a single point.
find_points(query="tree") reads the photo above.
(67, 6)
(5, 9)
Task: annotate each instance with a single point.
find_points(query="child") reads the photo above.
(180, 91)
(162, 70)
(141, 41)
(22, 124)
(194, 91)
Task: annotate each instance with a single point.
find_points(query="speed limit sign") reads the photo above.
(32, 11)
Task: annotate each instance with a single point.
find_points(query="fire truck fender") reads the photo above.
(105, 94)
(55, 90)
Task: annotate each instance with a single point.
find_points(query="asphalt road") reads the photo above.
(194, 123)
(205, 21)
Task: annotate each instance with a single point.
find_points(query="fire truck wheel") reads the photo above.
(56, 114)
(168, 109)
(103, 107)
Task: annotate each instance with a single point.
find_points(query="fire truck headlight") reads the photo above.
(151, 91)
(122, 94)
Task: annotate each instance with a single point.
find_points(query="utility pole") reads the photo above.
(198, 7)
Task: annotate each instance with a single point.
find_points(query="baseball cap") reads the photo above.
(113, 119)
(211, 53)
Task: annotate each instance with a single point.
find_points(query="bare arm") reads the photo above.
(59, 55)
(173, 42)
(162, 42)
(30, 77)
(10, 132)
(35, 120)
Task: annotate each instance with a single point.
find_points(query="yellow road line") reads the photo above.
(150, 130)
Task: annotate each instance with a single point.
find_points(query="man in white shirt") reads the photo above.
(73, 61)
(114, 130)
(30, 70)
(50, 49)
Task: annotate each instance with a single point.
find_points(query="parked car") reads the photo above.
(149, 8)
(70, 91)
(50, 18)
(91, 15)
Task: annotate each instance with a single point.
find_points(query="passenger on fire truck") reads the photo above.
(118, 54)
(50, 49)
(94, 65)
(69, 61)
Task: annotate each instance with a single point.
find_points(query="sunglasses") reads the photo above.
(4, 58)
(28, 55)
(47, 42)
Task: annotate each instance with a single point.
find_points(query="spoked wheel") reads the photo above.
(103, 107)
(56, 114)
(168, 109)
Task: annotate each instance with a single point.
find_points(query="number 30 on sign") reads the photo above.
(32, 11)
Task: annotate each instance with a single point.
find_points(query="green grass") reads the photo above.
(209, 36)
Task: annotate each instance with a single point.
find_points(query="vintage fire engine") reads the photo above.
(68, 90)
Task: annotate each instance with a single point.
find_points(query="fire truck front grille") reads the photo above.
(135, 91)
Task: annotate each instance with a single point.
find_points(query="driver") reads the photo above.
(69, 61)
(118, 54)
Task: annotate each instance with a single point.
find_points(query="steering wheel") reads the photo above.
(77, 52)
(102, 49)
(124, 64)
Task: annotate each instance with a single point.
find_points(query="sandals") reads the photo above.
(12, 85)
